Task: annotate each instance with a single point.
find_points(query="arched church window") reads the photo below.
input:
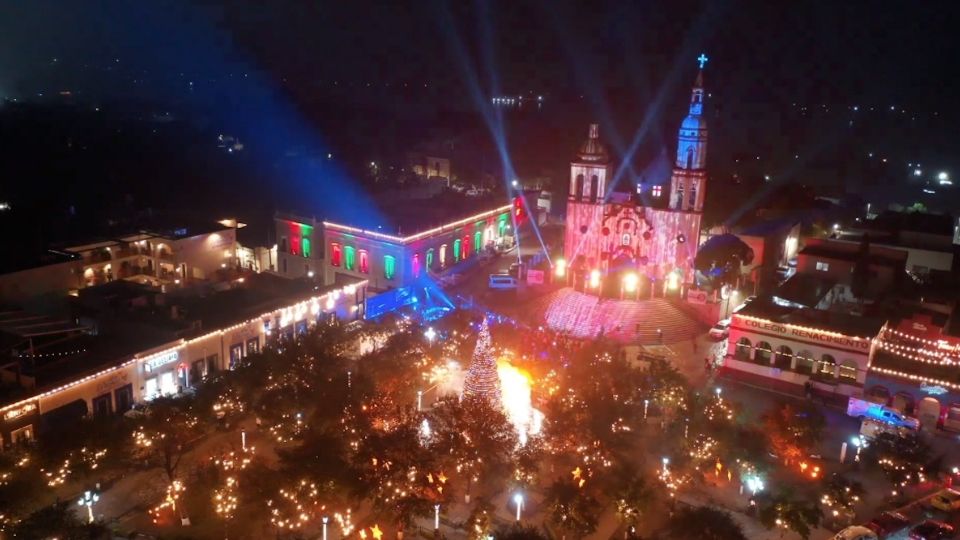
(689, 157)
(578, 187)
(625, 239)
(594, 187)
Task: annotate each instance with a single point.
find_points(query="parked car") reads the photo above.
(502, 281)
(931, 529)
(861, 409)
(888, 524)
(947, 500)
(720, 331)
(856, 532)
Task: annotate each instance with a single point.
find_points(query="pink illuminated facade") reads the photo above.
(614, 235)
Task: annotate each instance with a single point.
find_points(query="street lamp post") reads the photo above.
(88, 499)
(666, 461)
(518, 499)
(436, 517)
(325, 519)
(419, 400)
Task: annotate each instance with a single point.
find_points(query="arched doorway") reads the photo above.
(763, 353)
(783, 358)
(928, 411)
(742, 351)
(879, 394)
(903, 402)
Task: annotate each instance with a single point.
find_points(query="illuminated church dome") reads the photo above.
(592, 149)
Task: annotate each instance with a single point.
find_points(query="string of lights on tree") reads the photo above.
(482, 380)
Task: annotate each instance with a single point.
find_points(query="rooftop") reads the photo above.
(805, 289)
(131, 318)
(412, 219)
(891, 258)
(14, 260)
(841, 323)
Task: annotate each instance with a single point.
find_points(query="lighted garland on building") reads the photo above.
(482, 380)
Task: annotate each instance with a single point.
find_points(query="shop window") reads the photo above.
(443, 256)
(212, 363)
(197, 372)
(306, 247)
(253, 345)
(466, 246)
(102, 405)
(295, 245)
(389, 266)
(657, 191)
(416, 264)
(848, 371)
(822, 266)
(477, 242)
(236, 354)
(21, 436)
(349, 258)
(336, 254)
(456, 250)
(123, 397)
(429, 259)
(502, 226)
(742, 351)
(364, 262)
(150, 388)
(283, 245)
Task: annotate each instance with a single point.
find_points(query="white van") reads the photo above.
(856, 532)
(502, 281)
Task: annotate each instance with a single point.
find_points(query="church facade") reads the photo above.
(619, 244)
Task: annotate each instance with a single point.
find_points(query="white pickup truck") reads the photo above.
(865, 410)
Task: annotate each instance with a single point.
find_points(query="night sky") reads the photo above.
(813, 92)
(899, 52)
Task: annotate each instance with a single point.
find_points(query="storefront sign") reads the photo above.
(824, 337)
(113, 381)
(535, 277)
(697, 297)
(932, 389)
(161, 360)
(13, 414)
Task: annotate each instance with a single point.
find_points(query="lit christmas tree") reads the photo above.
(482, 379)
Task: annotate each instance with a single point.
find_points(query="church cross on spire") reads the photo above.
(702, 59)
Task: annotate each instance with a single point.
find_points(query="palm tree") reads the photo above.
(702, 523)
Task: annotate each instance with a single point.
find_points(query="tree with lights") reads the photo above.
(482, 379)
(517, 531)
(571, 509)
(58, 521)
(794, 430)
(634, 494)
(471, 437)
(169, 424)
(840, 495)
(790, 513)
(703, 523)
(901, 458)
(480, 521)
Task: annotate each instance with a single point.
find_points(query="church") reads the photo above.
(636, 245)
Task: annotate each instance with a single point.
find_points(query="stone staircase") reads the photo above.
(626, 321)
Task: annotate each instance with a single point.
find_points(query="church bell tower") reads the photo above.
(689, 179)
